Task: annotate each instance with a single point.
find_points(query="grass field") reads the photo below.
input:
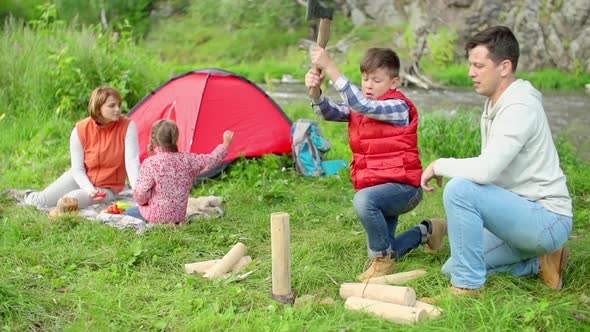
(72, 274)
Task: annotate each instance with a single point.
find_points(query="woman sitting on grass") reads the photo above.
(104, 151)
(166, 177)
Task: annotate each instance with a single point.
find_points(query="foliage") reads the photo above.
(49, 71)
(229, 31)
(442, 46)
(240, 14)
(451, 74)
(49, 65)
(23, 9)
(409, 39)
(546, 79)
(450, 135)
(88, 12)
(227, 34)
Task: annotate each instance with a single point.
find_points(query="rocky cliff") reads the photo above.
(551, 33)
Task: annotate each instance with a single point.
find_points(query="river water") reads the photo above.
(568, 112)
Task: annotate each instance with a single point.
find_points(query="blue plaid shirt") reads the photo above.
(393, 111)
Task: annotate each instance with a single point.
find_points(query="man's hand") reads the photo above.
(428, 175)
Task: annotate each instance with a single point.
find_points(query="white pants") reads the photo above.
(64, 186)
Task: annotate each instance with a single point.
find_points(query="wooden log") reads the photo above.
(227, 262)
(432, 310)
(393, 312)
(280, 236)
(393, 294)
(203, 267)
(397, 278)
(242, 263)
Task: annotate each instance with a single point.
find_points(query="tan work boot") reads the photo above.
(380, 266)
(552, 267)
(439, 230)
(452, 291)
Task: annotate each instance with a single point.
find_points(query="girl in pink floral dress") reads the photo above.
(166, 177)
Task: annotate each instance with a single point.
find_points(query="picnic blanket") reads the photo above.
(203, 207)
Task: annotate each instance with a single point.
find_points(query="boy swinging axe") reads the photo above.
(316, 10)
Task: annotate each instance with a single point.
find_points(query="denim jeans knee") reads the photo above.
(458, 188)
(493, 229)
(378, 208)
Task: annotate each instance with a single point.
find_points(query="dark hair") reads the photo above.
(384, 58)
(164, 135)
(98, 97)
(500, 42)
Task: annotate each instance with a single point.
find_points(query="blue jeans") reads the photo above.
(491, 229)
(378, 209)
(134, 212)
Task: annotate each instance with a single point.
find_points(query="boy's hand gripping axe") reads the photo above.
(316, 10)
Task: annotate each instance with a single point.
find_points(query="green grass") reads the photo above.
(544, 79)
(72, 274)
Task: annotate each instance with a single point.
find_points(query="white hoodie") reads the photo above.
(517, 151)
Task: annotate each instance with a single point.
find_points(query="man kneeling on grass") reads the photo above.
(509, 208)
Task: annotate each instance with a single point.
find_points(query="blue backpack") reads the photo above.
(309, 148)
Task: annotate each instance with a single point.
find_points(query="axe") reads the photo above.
(316, 10)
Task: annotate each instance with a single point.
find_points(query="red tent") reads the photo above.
(205, 103)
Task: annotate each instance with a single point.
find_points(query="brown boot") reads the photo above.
(552, 267)
(380, 266)
(439, 230)
(453, 291)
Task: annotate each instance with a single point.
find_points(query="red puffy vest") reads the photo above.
(382, 152)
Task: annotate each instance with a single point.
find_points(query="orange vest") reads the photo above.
(104, 152)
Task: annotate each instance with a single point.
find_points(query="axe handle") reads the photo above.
(324, 32)
(323, 35)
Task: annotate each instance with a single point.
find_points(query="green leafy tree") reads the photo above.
(442, 46)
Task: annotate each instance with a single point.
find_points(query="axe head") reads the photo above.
(316, 10)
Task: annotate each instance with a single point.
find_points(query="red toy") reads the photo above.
(114, 209)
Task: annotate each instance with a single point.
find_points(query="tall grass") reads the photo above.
(544, 79)
(52, 66)
(136, 12)
(450, 135)
(229, 32)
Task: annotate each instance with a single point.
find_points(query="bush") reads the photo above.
(49, 67)
(450, 135)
